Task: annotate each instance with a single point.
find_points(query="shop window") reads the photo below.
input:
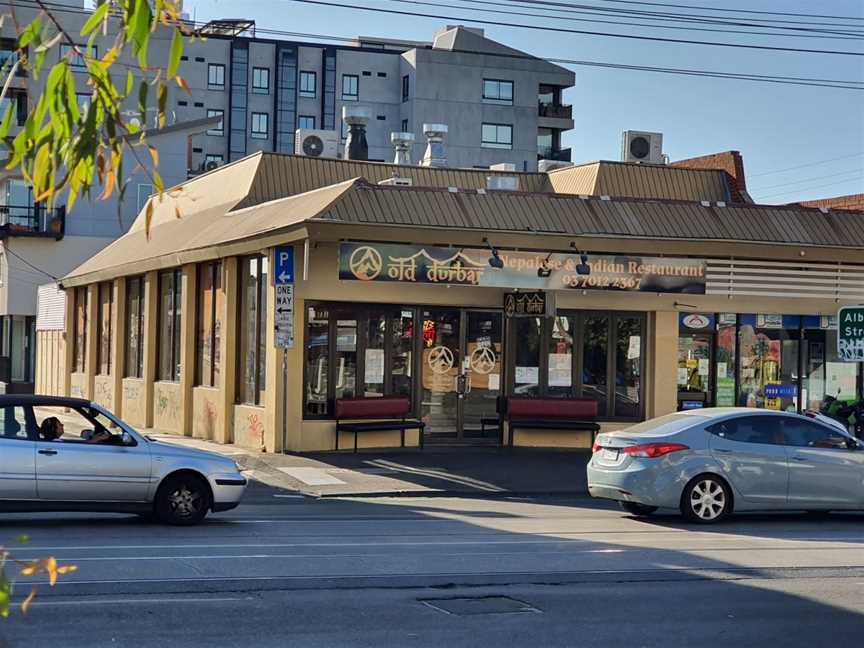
(79, 330)
(527, 356)
(170, 289)
(210, 296)
(595, 359)
(104, 312)
(253, 331)
(827, 379)
(628, 367)
(768, 361)
(135, 327)
(352, 350)
(560, 358)
(725, 359)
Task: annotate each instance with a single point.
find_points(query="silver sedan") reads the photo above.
(709, 462)
(68, 454)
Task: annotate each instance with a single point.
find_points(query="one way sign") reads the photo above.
(284, 265)
(284, 316)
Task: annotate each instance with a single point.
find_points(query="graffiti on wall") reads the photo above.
(207, 419)
(255, 430)
(168, 406)
(104, 394)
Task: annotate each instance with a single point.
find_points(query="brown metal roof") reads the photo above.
(278, 176)
(626, 180)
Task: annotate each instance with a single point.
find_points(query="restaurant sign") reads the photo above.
(529, 270)
(535, 303)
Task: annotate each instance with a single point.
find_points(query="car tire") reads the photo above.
(706, 499)
(639, 510)
(182, 500)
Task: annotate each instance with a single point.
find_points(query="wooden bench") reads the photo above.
(578, 414)
(389, 412)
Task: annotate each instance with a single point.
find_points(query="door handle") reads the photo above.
(796, 458)
(47, 452)
(723, 450)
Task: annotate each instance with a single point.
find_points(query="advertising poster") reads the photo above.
(725, 392)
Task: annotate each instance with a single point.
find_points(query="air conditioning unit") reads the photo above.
(639, 146)
(316, 143)
(210, 165)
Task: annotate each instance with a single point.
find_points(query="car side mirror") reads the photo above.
(126, 439)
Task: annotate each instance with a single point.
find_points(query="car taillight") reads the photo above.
(653, 450)
(595, 447)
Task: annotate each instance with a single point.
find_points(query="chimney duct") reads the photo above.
(356, 147)
(435, 155)
(402, 143)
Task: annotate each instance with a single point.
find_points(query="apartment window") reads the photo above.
(74, 56)
(382, 75)
(404, 126)
(497, 91)
(104, 311)
(497, 136)
(260, 125)
(218, 129)
(79, 330)
(381, 117)
(260, 80)
(210, 296)
(182, 103)
(406, 87)
(350, 87)
(253, 330)
(214, 158)
(135, 327)
(306, 121)
(144, 193)
(170, 295)
(308, 84)
(19, 99)
(216, 76)
(367, 73)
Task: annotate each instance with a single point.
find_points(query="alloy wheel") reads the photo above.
(707, 500)
(185, 502)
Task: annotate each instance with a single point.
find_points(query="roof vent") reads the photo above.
(397, 181)
(402, 143)
(706, 203)
(435, 155)
(356, 117)
(502, 182)
(721, 203)
(824, 210)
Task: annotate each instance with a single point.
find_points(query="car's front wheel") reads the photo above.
(640, 510)
(182, 500)
(706, 500)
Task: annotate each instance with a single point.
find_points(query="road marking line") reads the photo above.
(290, 496)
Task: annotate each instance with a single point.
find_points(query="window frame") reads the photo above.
(215, 67)
(136, 371)
(259, 380)
(259, 89)
(489, 99)
(300, 119)
(307, 74)
(496, 144)
(74, 58)
(258, 134)
(175, 276)
(214, 270)
(714, 428)
(219, 129)
(406, 87)
(104, 356)
(349, 96)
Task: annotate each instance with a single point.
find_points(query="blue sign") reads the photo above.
(690, 404)
(284, 270)
(781, 391)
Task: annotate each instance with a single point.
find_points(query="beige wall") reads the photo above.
(103, 391)
(78, 386)
(133, 404)
(167, 407)
(51, 363)
(250, 429)
(207, 416)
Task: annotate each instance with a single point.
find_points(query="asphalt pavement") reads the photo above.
(289, 570)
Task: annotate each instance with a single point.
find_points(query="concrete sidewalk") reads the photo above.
(488, 472)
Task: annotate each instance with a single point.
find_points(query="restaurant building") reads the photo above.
(398, 279)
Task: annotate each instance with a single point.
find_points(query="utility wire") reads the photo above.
(859, 172)
(500, 23)
(822, 186)
(718, 9)
(6, 248)
(826, 35)
(808, 164)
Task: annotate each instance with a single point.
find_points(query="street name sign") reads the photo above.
(850, 333)
(283, 278)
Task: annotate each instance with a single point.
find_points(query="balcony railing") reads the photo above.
(555, 111)
(549, 153)
(32, 220)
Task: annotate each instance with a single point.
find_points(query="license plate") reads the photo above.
(609, 455)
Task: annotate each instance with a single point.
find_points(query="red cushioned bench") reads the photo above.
(578, 414)
(389, 412)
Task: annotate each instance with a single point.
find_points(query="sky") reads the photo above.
(775, 127)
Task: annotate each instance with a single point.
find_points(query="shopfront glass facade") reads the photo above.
(767, 361)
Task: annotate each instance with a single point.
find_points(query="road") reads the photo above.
(294, 571)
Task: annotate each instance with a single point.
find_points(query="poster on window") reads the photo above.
(374, 373)
(527, 375)
(840, 380)
(560, 370)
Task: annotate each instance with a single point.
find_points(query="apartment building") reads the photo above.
(505, 105)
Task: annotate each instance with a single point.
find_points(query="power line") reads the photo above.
(786, 193)
(822, 35)
(6, 248)
(859, 172)
(808, 164)
(499, 23)
(751, 11)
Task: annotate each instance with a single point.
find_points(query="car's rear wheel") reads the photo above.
(182, 500)
(634, 508)
(706, 499)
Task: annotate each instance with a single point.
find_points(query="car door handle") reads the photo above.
(724, 450)
(797, 458)
(47, 452)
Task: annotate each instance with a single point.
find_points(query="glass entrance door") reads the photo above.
(461, 372)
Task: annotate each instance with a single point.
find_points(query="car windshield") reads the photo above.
(668, 424)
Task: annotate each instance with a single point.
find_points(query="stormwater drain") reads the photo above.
(470, 605)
